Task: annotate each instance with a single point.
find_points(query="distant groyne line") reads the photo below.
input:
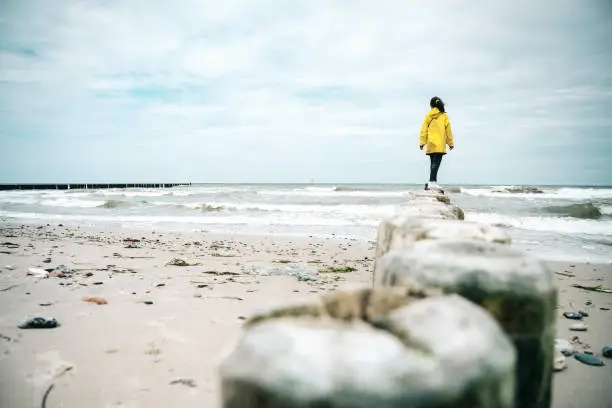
(84, 186)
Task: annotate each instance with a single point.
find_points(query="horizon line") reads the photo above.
(389, 183)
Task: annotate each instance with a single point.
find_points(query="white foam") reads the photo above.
(547, 193)
(70, 202)
(606, 209)
(54, 201)
(205, 218)
(346, 209)
(563, 225)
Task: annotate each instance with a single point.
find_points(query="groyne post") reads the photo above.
(428, 246)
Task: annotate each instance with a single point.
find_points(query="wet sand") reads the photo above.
(165, 328)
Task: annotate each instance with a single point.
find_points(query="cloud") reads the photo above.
(266, 91)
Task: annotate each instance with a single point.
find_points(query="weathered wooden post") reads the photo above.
(379, 348)
(517, 289)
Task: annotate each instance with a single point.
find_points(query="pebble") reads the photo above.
(583, 313)
(578, 327)
(589, 359)
(607, 352)
(184, 381)
(148, 302)
(9, 267)
(39, 322)
(95, 299)
(572, 315)
(559, 363)
(38, 272)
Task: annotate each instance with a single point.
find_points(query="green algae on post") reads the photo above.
(412, 365)
(516, 289)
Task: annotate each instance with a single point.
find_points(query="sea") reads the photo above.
(559, 223)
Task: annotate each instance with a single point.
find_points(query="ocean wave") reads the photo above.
(338, 209)
(114, 204)
(331, 192)
(566, 193)
(584, 210)
(606, 209)
(335, 209)
(561, 225)
(130, 193)
(70, 202)
(357, 188)
(276, 220)
(211, 208)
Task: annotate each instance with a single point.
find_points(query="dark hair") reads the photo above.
(437, 103)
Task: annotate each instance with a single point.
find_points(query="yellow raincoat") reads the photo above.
(436, 132)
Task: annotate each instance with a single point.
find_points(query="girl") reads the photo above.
(436, 134)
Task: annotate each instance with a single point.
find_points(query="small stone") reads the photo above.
(38, 272)
(39, 323)
(572, 315)
(604, 308)
(178, 262)
(578, 327)
(95, 299)
(148, 302)
(184, 381)
(98, 283)
(583, 313)
(47, 260)
(589, 359)
(197, 295)
(607, 352)
(559, 363)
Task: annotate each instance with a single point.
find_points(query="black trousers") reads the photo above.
(436, 159)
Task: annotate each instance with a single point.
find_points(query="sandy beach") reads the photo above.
(159, 339)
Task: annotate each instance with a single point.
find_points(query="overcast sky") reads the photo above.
(289, 91)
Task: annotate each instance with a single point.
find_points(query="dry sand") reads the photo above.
(128, 353)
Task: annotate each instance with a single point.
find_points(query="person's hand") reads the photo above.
(421, 147)
(451, 147)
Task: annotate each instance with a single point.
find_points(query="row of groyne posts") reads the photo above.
(455, 317)
(82, 186)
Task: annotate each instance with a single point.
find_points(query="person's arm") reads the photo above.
(449, 134)
(424, 128)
